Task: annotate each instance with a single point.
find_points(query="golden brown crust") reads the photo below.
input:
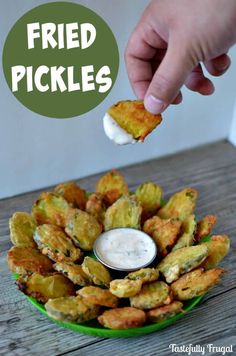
(111, 186)
(218, 248)
(145, 275)
(22, 227)
(125, 288)
(149, 195)
(205, 226)
(72, 193)
(96, 207)
(98, 296)
(122, 318)
(162, 313)
(98, 273)
(73, 272)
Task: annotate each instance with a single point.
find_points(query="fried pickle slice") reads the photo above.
(125, 212)
(125, 288)
(149, 195)
(71, 309)
(164, 232)
(145, 275)
(96, 207)
(111, 186)
(180, 205)
(195, 283)
(162, 313)
(181, 261)
(24, 260)
(50, 209)
(122, 318)
(151, 296)
(83, 229)
(44, 287)
(72, 193)
(73, 272)
(134, 118)
(54, 243)
(96, 271)
(22, 226)
(205, 226)
(187, 234)
(98, 296)
(218, 247)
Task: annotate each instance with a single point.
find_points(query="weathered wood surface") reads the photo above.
(212, 171)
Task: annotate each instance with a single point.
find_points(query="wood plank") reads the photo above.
(212, 171)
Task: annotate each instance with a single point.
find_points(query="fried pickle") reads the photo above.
(44, 287)
(122, 318)
(125, 212)
(180, 205)
(73, 272)
(181, 261)
(22, 226)
(205, 226)
(164, 232)
(149, 195)
(98, 296)
(71, 309)
(72, 193)
(54, 243)
(24, 260)
(134, 118)
(125, 288)
(162, 313)
(96, 207)
(50, 209)
(187, 233)
(96, 271)
(151, 296)
(195, 283)
(218, 247)
(111, 186)
(145, 275)
(83, 229)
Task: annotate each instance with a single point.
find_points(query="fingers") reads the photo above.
(196, 81)
(168, 79)
(218, 65)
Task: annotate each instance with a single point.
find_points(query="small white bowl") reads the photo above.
(125, 249)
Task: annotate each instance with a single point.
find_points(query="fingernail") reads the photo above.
(154, 105)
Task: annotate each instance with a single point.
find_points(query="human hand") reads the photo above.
(171, 39)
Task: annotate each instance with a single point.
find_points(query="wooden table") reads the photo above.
(212, 171)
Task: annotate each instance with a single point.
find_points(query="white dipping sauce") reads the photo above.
(115, 133)
(125, 249)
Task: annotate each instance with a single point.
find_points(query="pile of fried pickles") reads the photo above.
(52, 244)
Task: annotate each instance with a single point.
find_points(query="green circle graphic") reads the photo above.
(85, 58)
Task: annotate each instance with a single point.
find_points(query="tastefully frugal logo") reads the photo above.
(60, 59)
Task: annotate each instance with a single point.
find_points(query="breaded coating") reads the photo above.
(195, 283)
(23, 260)
(180, 205)
(50, 209)
(205, 226)
(125, 212)
(96, 207)
(111, 186)
(54, 243)
(149, 195)
(134, 118)
(72, 309)
(187, 233)
(164, 232)
(218, 247)
(166, 312)
(125, 288)
(44, 287)
(181, 261)
(145, 275)
(72, 193)
(151, 296)
(122, 318)
(22, 226)
(83, 229)
(96, 271)
(98, 296)
(73, 272)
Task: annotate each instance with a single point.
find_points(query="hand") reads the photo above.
(170, 40)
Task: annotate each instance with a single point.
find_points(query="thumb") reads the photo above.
(168, 78)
